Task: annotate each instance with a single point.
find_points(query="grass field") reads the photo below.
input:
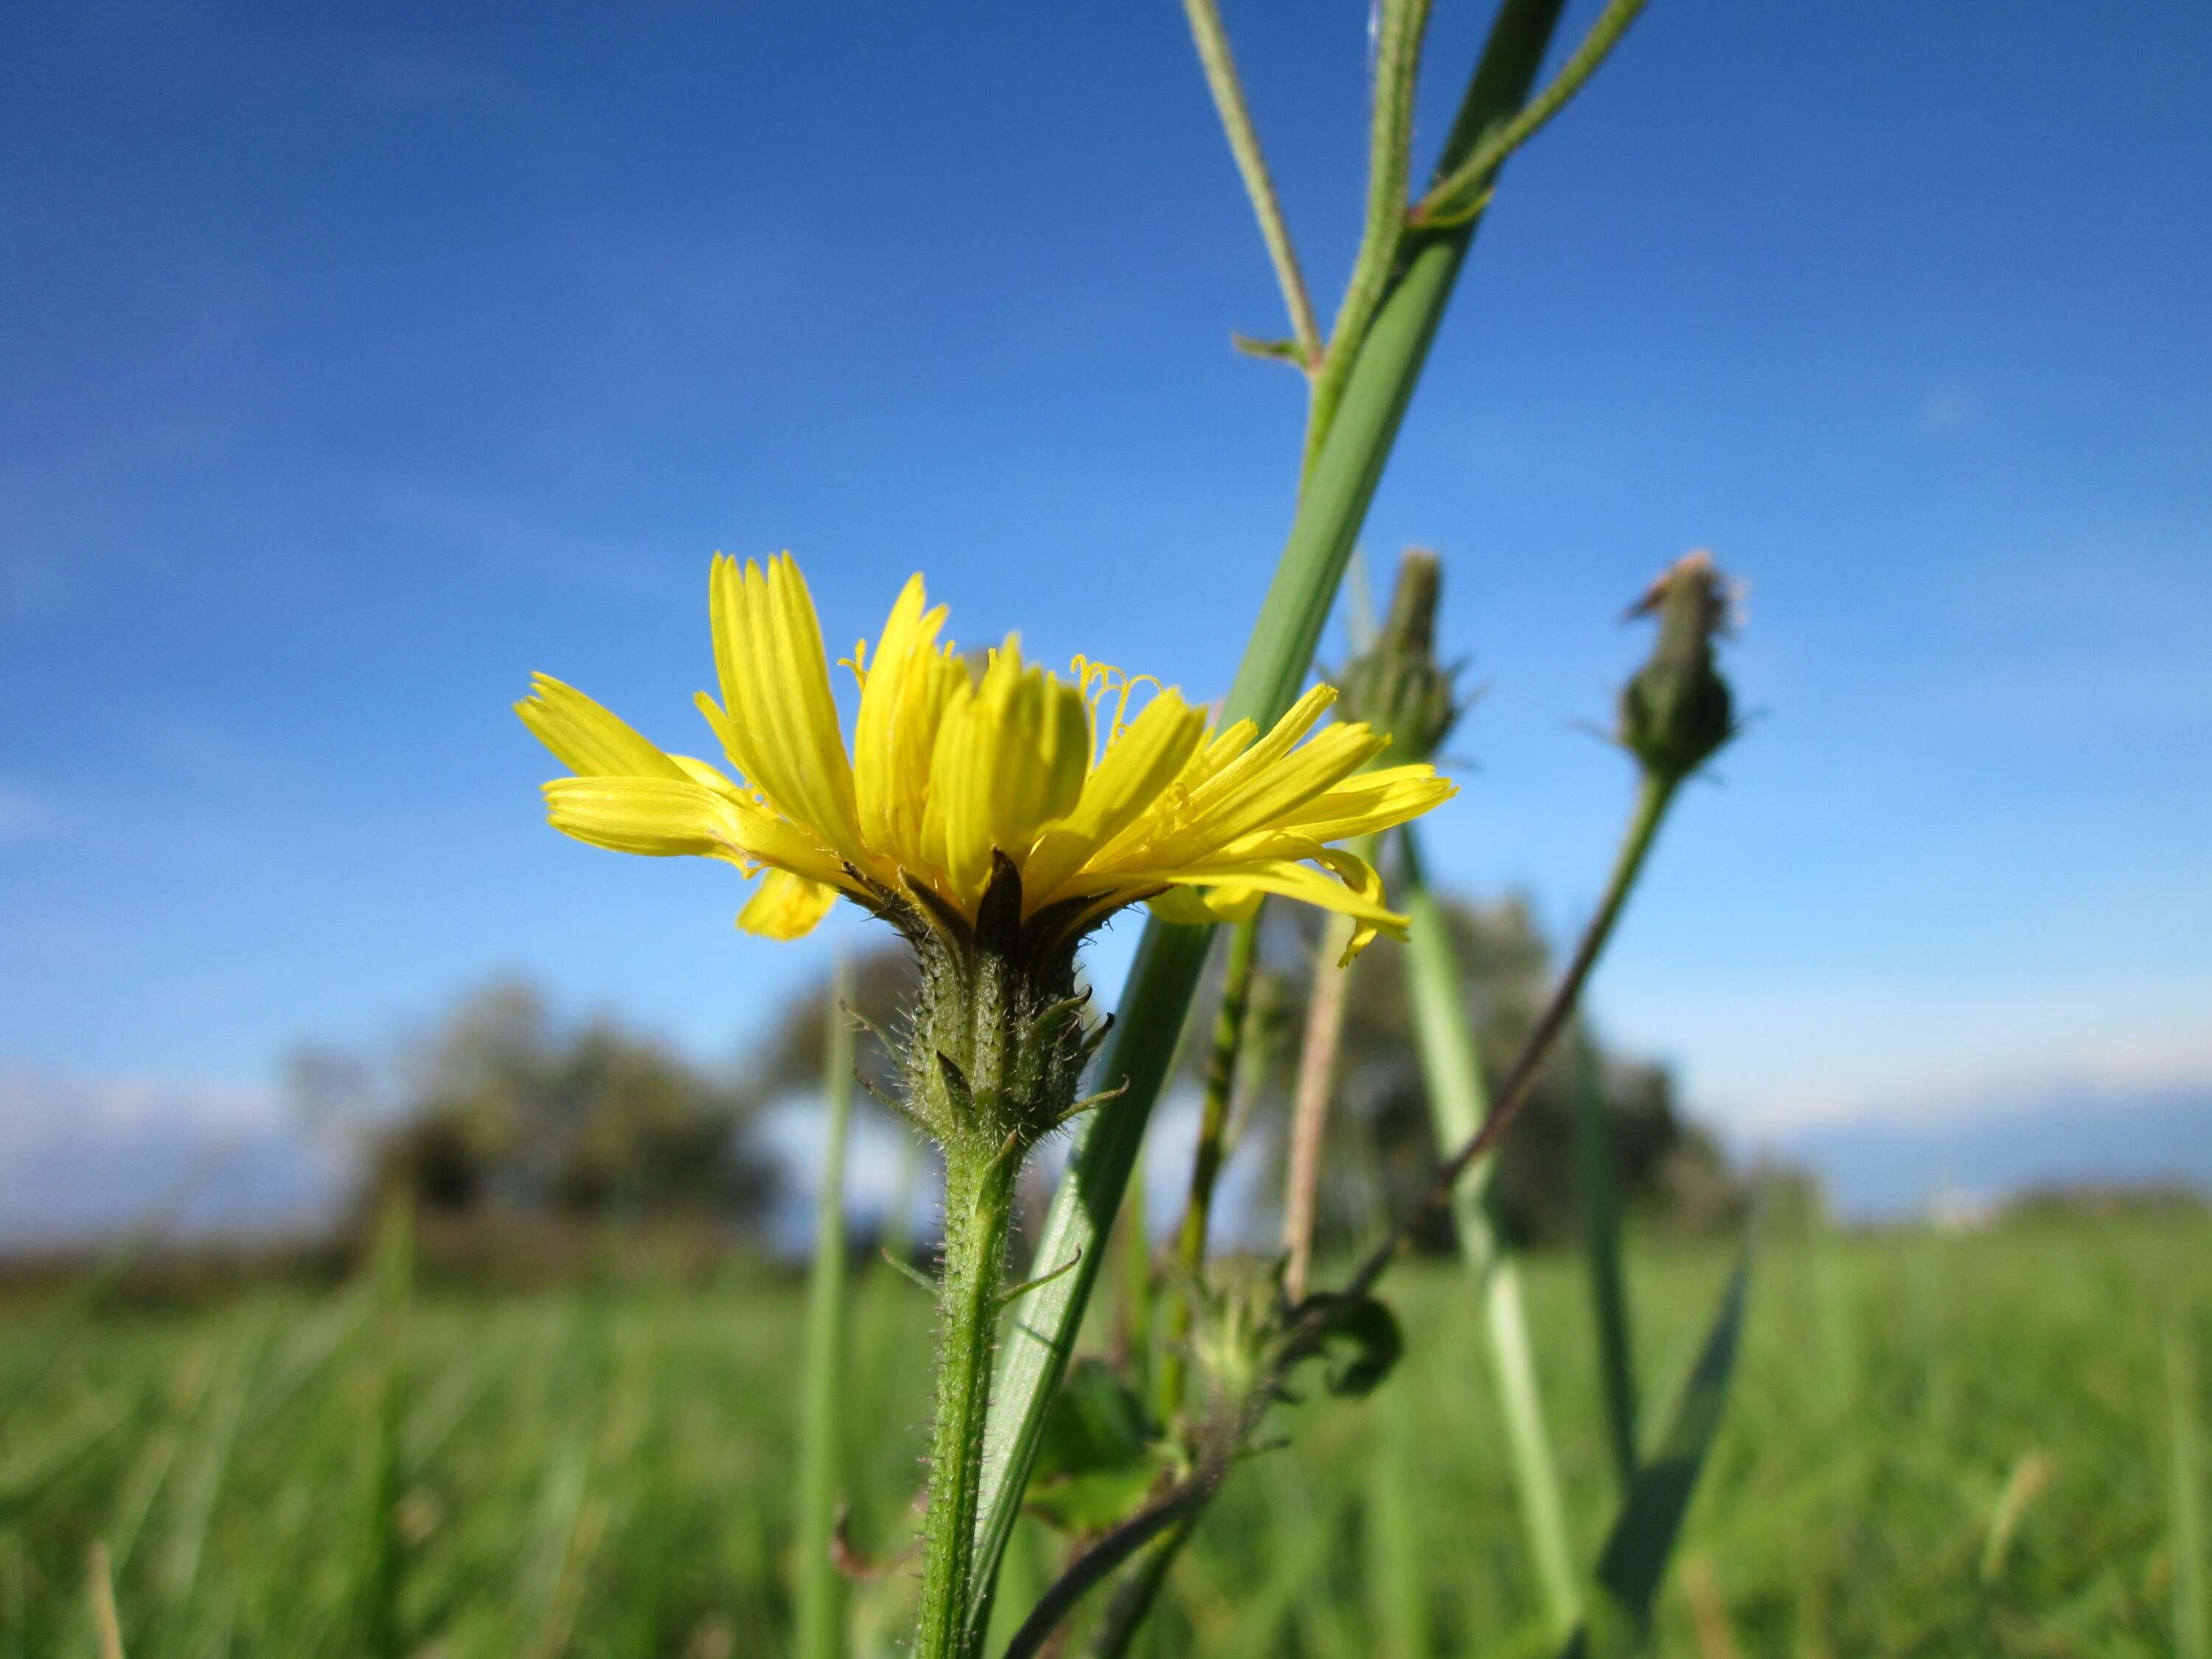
(1936, 1445)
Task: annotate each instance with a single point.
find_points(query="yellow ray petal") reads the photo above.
(1198, 907)
(910, 684)
(587, 739)
(1241, 802)
(1009, 758)
(809, 727)
(1295, 881)
(666, 818)
(778, 722)
(699, 772)
(786, 906)
(1222, 775)
(1148, 756)
(726, 614)
(1370, 802)
(1364, 879)
(659, 817)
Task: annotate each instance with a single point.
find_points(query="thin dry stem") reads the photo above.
(1309, 1103)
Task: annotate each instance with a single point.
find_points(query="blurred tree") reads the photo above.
(1383, 1151)
(501, 1106)
(1670, 1171)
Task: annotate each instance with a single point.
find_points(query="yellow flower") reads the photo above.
(957, 778)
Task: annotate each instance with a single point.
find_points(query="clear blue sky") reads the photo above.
(355, 364)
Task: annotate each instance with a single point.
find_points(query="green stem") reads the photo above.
(1651, 802)
(1277, 657)
(1457, 1105)
(1131, 1604)
(979, 1208)
(1601, 1254)
(1389, 160)
(1461, 190)
(2192, 1592)
(821, 1588)
(1205, 1161)
(1136, 1332)
(1221, 79)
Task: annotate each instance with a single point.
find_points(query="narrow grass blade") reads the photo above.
(1643, 1539)
(112, 1268)
(821, 1590)
(1277, 657)
(225, 1415)
(24, 1480)
(1600, 1184)
(100, 1584)
(377, 1573)
(1458, 1104)
(2192, 1597)
(1395, 1582)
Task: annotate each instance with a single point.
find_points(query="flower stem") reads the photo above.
(1205, 1161)
(821, 1588)
(1221, 80)
(1278, 655)
(1310, 1103)
(1651, 802)
(1462, 189)
(979, 1208)
(1452, 1066)
(1400, 25)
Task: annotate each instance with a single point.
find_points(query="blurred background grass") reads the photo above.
(1936, 1444)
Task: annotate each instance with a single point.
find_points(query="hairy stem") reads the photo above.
(1222, 81)
(821, 1588)
(1390, 155)
(979, 1208)
(1461, 191)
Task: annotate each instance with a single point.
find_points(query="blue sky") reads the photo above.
(356, 364)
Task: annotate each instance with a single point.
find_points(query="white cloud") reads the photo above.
(38, 1107)
(1755, 1058)
(85, 1157)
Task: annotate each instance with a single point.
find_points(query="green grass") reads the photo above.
(614, 1474)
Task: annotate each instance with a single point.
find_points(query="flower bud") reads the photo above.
(1396, 685)
(1677, 711)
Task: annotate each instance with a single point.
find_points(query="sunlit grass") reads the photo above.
(584, 1472)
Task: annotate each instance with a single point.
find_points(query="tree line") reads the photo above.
(504, 1107)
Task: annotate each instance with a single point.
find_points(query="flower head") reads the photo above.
(969, 791)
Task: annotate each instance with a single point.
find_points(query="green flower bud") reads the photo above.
(1396, 685)
(1677, 711)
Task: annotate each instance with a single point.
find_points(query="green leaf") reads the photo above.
(1099, 1458)
(1638, 1550)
